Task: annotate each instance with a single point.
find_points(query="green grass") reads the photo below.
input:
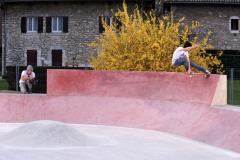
(3, 84)
(236, 92)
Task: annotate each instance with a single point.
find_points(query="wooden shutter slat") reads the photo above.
(48, 24)
(101, 28)
(40, 24)
(23, 24)
(118, 23)
(65, 24)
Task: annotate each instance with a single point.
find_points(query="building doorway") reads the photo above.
(56, 57)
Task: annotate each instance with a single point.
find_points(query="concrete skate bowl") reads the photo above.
(50, 134)
(47, 140)
(161, 101)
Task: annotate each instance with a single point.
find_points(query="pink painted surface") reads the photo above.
(168, 102)
(140, 85)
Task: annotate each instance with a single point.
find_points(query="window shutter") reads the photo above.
(118, 23)
(23, 25)
(101, 28)
(40, 24)
(65, 24)
(48, 24)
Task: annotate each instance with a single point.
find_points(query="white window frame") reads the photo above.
(58, 25)
(230, 24)
(111, 19)
(33, 24)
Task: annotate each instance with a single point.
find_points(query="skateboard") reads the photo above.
(204, 75)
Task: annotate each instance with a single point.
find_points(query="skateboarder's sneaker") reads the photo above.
(207, 72)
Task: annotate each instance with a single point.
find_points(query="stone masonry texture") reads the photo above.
(215, 18)
(83, 28)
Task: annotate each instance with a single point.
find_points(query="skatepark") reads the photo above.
(121, 115)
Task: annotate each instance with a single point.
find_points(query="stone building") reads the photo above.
(55, 32)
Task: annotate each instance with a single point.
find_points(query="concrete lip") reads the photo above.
(94, 142)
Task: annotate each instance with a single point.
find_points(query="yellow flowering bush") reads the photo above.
(135, 43)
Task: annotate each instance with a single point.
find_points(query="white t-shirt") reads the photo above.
(178, 53)
(24, 73)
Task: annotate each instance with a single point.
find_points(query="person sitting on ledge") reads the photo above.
(26, 80)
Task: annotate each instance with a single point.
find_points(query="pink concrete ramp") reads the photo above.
(168, 102)
(138, 85)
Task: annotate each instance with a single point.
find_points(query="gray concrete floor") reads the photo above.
(47, 142)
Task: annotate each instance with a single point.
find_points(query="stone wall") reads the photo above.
(83, 28)
(215, 18)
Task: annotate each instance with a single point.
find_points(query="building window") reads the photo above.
(166, 8)
(108, 20)
(32, 57)
(57, 24)
(234, 24)
(56, 57)
(148, 6)
(32, 24)
(105, 19)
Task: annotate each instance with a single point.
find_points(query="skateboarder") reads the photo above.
(179, 59)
